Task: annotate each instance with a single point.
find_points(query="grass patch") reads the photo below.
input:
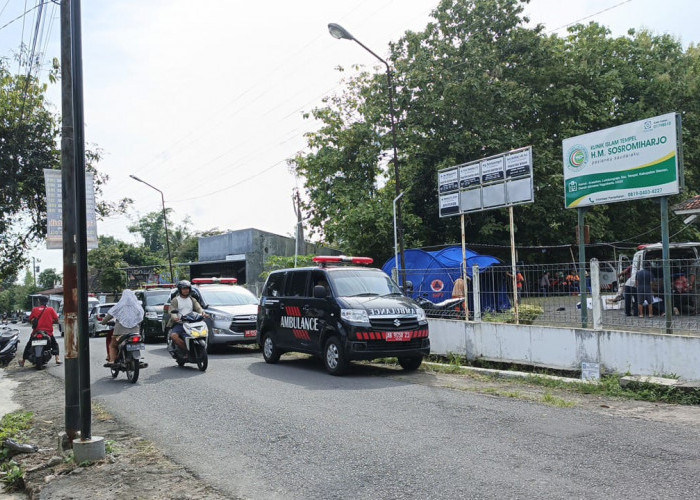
(12, 426)
(552, 400)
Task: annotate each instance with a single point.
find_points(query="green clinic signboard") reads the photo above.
(629, 162)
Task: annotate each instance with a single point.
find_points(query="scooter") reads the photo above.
(195, 337)
(9, 341)
(40, 349)
(129, 357)
(450, 308)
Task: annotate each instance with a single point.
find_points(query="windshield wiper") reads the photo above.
(364, 294)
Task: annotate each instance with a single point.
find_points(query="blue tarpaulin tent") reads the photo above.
(433, 275)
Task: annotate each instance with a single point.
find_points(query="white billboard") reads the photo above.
(498, 181)
(632, 161)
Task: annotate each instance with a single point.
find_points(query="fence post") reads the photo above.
(477, 293)
(595, 295)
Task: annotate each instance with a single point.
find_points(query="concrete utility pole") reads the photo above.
(70, 271)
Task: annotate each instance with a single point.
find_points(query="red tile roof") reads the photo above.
(691, 205)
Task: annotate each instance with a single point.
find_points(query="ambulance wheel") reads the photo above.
(334, 357)
(410, 364)
(270, 351)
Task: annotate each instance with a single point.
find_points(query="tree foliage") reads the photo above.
(48, 278)
(476, 82)
(28, 136)
(29, 139)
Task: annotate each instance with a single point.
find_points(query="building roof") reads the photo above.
(691, 206)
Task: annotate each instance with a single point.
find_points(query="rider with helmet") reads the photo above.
(45, 317)
(182, 304)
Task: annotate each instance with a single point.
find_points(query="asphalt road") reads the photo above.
(292, 431)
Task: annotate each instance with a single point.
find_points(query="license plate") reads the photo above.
(135, 347)
(398, 336)
(40, 342)
(250, 333)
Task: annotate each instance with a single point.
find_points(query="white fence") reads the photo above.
(565, 348)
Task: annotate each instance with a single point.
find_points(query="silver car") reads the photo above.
(97, 314)
(233, 312)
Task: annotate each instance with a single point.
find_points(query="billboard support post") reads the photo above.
(582, 281)
(666, 255)
(513, 269)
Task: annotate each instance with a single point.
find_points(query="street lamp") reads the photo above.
(165, 223)
(337, 31)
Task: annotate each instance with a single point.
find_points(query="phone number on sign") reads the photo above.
(644, 192)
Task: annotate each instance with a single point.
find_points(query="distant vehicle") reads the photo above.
(92, 302)
(233, 311)
(682, 256)
(98, 313)
(152, 300)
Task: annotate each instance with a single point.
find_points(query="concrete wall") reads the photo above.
(567, 348)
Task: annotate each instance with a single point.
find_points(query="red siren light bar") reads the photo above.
(342, 259)
(210, 281)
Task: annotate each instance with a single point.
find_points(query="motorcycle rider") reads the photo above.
(127, 315)
(182, 304)
(46, 317)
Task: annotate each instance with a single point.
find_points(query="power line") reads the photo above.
(589, 16)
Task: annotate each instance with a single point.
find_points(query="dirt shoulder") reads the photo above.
(133, 468)
(688, 416)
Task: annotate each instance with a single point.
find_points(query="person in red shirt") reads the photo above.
(46, 317)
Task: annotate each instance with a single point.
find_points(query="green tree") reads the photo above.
(105, 262)
(275, 262)
(478, 81)
(48, 278)
(28, 138)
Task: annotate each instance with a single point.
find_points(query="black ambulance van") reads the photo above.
(340, 313)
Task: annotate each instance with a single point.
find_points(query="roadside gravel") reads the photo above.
(133, 468)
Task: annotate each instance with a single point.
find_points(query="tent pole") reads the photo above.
(464, 272)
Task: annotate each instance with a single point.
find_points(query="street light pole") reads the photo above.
(165, 223)
(337, 31)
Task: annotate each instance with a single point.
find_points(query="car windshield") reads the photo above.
(231, 297)
(157, 298)
(105, 309)
(356, 282)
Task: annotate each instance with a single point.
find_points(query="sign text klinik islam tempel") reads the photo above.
(632, 161)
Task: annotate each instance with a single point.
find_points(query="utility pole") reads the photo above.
(88, 448)
(70, 272)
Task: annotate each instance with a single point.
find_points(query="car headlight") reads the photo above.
(354, 315)
(221, 317)
(151, 315)
(420, 314)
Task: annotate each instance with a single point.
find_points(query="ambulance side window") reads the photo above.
(296, 284)
(319, 278)
(273, 288)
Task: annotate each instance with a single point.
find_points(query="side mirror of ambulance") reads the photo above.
(320, 292)
(408, 287)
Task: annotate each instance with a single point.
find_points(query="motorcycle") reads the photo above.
(195, 337)
(40, 349)
(129, 357)
(450, 308)
(9, 341)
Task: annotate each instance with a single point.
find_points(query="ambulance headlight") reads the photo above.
(354, 315)
(420, 314)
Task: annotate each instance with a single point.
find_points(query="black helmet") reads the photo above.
(183, 284)
(43, 300)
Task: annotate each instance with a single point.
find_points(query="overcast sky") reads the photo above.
(204, 99)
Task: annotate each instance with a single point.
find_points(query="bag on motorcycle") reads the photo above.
(35, 321)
